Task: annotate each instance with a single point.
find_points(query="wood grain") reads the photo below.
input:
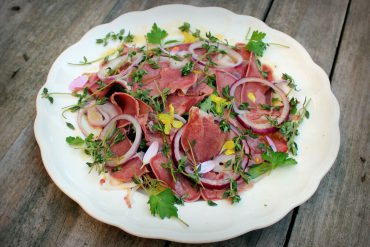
(33, 211)
(339, 213)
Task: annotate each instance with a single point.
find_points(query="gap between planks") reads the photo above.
(332, 70)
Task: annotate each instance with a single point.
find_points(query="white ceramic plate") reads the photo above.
(270, 199)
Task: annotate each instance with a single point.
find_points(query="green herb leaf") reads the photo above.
(156, 35)
(291, 82)
(187, 69)
(75, 141)
(211, 203)
(255, 44)
(272, 160)
(185, 27)
(163, 204)
(69, 125)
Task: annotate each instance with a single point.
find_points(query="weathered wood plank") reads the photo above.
(27, 57)
(315, 24)
(339, 214)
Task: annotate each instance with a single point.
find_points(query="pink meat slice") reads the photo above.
(211, 194)
(204, 134)
(127, 105)
(257, 89)
(223, 79)
(172, 79)
(182, 187)
(130, 169)
(183, 103)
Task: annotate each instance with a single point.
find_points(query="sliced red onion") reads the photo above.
(135, 145)
(78, 83)
(176, 145)
(80, 114)
(106, 113)
(261, 128)
(173, 63)
(222, 63)
(271, 143)
(206, 166)
(178, 117)
(138, 59)
(111, 65)
(151, 152)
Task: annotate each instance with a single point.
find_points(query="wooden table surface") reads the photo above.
(34, 212)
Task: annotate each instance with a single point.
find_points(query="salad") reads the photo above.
(197, 119)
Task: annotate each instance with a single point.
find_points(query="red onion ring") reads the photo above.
(271, 143)
(80, 114)
(113, 65)
(261, 128)
(221, 63)
(135, 145)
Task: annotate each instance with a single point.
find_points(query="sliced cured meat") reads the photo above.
(223, 79)
(130, 169)
(120, 148)
(212, 195)
(182, 186)
(144, 110)
(172, 79)
(183, 103)
(127, 104)
(203, 134)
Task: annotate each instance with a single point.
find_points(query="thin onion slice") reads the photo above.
(261, 128)
(135, 145)
(234, 58)
(111, 65)
(151, 152)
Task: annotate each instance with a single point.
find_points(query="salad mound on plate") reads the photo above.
(184, 121)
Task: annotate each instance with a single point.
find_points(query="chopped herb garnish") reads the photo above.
(224, 126)
(69, 125)
(185, 27)
(211, 203)
(232, 193)
(291, 82)
(137, 75)
(187, 69)
(45, 94)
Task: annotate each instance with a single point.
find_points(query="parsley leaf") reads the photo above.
(75, 141)
(272, 160)
(163, 204)
(156, 35)
(255, 44)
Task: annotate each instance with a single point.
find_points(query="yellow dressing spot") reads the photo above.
(177, 124)
(251, 96)
(188, 37)
(229, 145)
(219, 36)
(229, 151)
(257, 159)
